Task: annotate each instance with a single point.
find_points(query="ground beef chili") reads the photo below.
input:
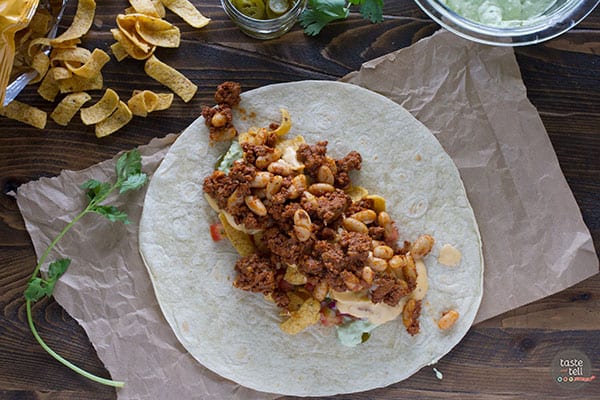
(228, 93)
(307, 221)
(219, 118)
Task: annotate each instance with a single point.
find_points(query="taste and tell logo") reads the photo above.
(572, 369)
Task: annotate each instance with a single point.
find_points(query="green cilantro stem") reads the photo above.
(63, 361)
(36, 271)
(129, 177)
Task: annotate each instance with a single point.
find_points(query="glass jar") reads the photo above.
(264, 28)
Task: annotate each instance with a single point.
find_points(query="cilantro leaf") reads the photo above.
(112, 213)
(133, 182)
(96, 189)
(320, 12)
(57, 268)
(372, 10)
(129, 177)
(36, 289)
(130, 163)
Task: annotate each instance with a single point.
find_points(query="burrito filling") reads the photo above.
(323, 250)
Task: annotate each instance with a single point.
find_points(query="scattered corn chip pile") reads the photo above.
(73, 70)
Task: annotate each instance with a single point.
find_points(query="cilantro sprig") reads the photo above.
(319, 13)
(129, 176)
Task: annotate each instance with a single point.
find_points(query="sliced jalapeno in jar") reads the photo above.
(276, 8)
(251, 8)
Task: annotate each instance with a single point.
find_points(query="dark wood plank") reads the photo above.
(508, 363)
(504, 358)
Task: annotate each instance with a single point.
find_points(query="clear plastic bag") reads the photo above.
(19, 74)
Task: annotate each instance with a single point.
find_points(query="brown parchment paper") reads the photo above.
(473, 99)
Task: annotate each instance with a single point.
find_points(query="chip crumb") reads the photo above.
(438, 373)
(418, 157)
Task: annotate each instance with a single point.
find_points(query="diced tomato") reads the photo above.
(330, 317)
(285, 285)
(216, 232)
(393, 236)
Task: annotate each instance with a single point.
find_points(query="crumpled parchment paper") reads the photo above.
(472, 98)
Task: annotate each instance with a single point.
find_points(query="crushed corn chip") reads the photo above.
(79, 84)
(241, 241)
(145, 7)
(293, 276)
(187, 12)
(92, 66)
(102, 109)
(25, 113)
(356, 192)
(160, 8)
(82, 22)
(119, 51)
(171, 78)
(164, 101)
(68, 107)
(73, 55)
(40, 63)
(60, 73)
(130, 47)
(307, 315)
(157, 32)
(48, 89)
(145, 101)
(126, 25)
(116, 121)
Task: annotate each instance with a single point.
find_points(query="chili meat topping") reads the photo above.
(313, 231)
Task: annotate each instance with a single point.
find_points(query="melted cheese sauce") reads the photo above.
(358, 304)
(449, 256)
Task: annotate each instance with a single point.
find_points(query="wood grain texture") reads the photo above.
(507, 357)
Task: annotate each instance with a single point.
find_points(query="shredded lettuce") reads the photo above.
(226, 161)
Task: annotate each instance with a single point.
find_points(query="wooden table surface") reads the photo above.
(503, 358)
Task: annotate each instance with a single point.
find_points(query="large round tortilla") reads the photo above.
(236, 333)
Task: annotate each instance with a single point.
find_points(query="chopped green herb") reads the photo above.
(319, 13)
(364, 337)
(370, 9)
(128, 177)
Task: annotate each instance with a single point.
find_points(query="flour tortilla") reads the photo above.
(236, 333)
